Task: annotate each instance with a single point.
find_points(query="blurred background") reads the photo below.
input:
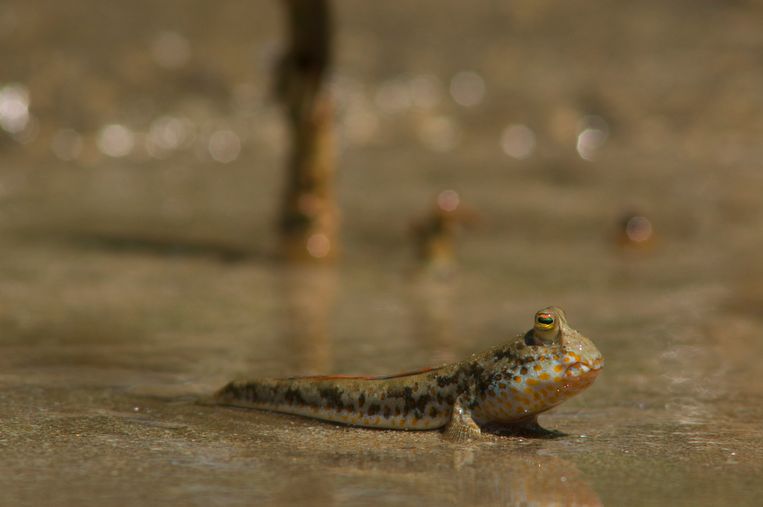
(491, 158)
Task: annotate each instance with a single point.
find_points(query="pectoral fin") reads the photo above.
(461, 427)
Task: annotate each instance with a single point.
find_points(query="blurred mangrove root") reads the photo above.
(434, 235)
(309, 222)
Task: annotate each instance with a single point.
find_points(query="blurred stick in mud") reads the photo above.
(435, 234)
(309, 222)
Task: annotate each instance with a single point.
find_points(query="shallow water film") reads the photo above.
(608, 159)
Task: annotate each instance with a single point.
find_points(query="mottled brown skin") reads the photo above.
(503, 388)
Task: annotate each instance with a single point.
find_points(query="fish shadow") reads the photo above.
(534, 431)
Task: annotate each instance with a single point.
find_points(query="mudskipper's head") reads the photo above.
(547, 365)
(552, 334)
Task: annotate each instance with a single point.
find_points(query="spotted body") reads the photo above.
(506, 386)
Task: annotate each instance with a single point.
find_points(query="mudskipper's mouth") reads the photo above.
(584, 369)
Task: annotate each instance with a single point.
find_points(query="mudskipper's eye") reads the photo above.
(544, 321)
(548, 327)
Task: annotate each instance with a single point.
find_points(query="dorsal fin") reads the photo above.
(365, 377)
(407, 373)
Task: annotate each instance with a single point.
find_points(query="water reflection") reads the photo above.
(433, 316)
(518, 141)
(525, 477)
(115, 140)
(371, 467)
(224, 146)
(14, 108)
(167, 134)
(592, 134)
(308, 294)
(467, 88)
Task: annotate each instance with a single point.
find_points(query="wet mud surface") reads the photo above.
(132, 287)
